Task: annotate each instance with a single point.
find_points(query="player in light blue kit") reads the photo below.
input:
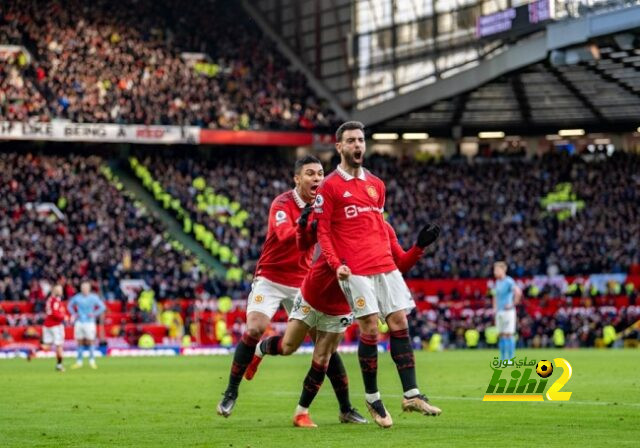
(507, 296)
(85, 307)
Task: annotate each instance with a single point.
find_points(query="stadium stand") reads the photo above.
(155, 62)
(100, 221)
(251, 179)
(19, 98)
(490, 208)
(581, 326)
(63, 220)
(581, 321)
(64, 217)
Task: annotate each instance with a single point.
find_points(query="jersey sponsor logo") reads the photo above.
(347, 194)
(360, 302)
(370, 209)
(371, 191)
(258, 298)
(351, 211)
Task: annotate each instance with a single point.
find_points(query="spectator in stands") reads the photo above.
(87, 236)
(97, 61)
(488, 210)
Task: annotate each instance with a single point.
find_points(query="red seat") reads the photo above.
(622, 301)
(21, 307)
(17, 333)
(114, 318)
(114, 306)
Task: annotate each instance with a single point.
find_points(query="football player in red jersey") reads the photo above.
(53, 326)
(349, 207)
(279, 274)
(322, 306)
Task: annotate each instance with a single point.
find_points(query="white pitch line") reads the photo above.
(479, 399)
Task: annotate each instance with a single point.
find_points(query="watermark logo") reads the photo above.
(526, 380)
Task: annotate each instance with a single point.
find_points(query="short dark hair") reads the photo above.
(304, 161)
(348, 126)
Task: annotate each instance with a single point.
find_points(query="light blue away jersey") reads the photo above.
(504, 293)
(86, 308)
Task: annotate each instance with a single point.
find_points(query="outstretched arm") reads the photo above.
(405, 260)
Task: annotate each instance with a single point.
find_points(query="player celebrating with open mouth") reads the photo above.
(279, 274)
(353, 237)
(320, 304)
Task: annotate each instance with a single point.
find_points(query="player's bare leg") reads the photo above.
(59, 353)
(325, 345)
(402, 354)
(284, 345)
(59, 366)
(368, 357)
(337, 374)
(32, 352)
(287, 344)
(257, 323)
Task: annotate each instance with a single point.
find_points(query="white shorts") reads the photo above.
(380, 294)
(84, 331)
(506, 321)
(266, 296)
(53, 335)
(316, 319)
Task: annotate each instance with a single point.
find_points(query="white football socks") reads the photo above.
(412, 393)
(372, 397)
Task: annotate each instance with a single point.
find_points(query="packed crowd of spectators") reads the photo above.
(251, 177)
(103, 61)
(100, 234)
(20, 100)
(487, 210)
(492, 210)
(581, 326)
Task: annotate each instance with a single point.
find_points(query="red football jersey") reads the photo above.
(320, 287)
(351, 228)
(54, 310)
(281, 261)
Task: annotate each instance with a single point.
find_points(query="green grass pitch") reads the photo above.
(158, 402)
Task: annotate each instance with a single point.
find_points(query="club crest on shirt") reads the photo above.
(258, 298)
(360, 303)
(319, 200)
(305, 309)
(280, 216)
(371, 191)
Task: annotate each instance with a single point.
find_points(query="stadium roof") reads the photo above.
(581, 74)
